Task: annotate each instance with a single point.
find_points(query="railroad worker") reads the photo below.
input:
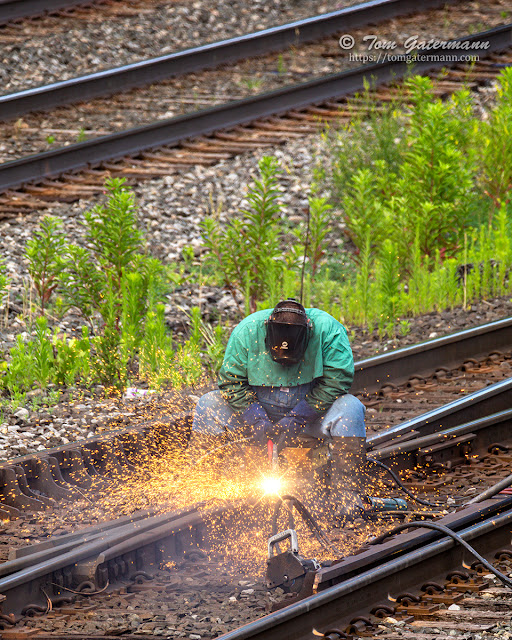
(286, 375)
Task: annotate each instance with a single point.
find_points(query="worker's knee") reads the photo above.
(345, 418)
(211, 414)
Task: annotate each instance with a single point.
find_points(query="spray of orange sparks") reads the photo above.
(217, 473)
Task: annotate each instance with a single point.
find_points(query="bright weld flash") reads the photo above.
(272, 485)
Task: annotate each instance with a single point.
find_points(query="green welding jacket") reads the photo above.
(328, 361)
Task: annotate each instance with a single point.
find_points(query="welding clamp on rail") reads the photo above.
(285, 377)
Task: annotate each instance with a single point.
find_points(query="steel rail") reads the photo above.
(206, 56)
(375, 554)
(32, 554)
(241, 112)
(11, 10)
(91, 551)
(482, 433)
(81, 562)
(398, 366)
(483, 403)
(337, 605)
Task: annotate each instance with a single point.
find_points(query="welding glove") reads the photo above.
(256, 422)
(294, 422)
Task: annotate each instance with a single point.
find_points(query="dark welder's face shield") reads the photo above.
(286, 342)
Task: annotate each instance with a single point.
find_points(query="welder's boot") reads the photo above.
(347, 477)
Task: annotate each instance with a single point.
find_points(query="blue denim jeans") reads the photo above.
(345, 417)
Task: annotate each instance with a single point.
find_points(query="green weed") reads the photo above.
(247, 253)
(252, 83)
(44, 253)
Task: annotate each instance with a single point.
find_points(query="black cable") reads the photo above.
(308, 519)
(411, 495)
(440, 527)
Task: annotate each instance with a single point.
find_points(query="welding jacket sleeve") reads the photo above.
(233, 376)
(333, 384)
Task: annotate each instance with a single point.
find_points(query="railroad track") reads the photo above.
(381, 381)
(215, 54)
(144, 541)
(130, 554)
(216, 133)
(405, 579)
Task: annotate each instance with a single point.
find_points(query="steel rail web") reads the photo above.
(85, 558)
(17, 9)
(339, 604)
(207, 56)
(30, 555)
(494, 398)
(378, 551)
(241, 112)
(89, 560)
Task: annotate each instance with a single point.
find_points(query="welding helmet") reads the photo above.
(287, 332)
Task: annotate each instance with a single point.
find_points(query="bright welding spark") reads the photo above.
(272, 485)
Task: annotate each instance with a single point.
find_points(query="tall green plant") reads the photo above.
(374, 135)
(496, 144)
(4, 287)
(44, 254)
(362, 284)
(389, 279)
(111, 282)
(43, 352)
(72, 359)
(435, 179)
(364, 213)
(18, 371)
(112, 230)
(424, 192)
(156, 350)
(247, 252)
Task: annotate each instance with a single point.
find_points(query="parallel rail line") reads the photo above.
(257, 121)
(54, 472)
(207, 56)
(343, 610)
